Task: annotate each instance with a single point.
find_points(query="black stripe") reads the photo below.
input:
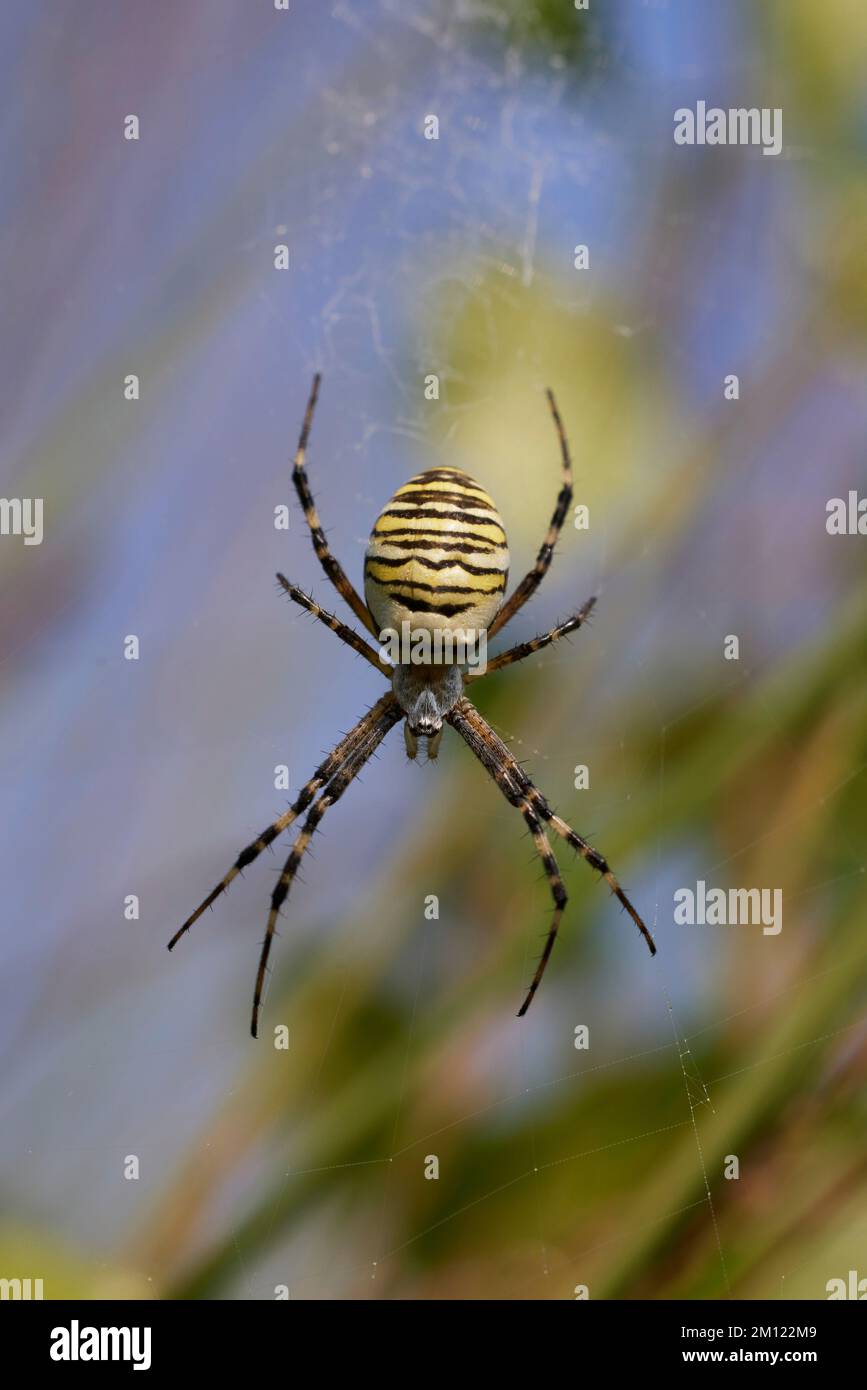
(406, 512)
(433, 540)
(444, 475)
(419, 495)
(392, 585)
(444, 610)
(396, 560)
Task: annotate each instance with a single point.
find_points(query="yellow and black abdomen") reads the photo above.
(437, 556)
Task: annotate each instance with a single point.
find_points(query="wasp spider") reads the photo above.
(437, 559)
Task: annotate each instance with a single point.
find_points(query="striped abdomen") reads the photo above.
(437, 555)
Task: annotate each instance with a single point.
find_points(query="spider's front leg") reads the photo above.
(460, 719)
(389, 713)
(520, 791)
(325, 771)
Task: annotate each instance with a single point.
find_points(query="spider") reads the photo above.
(437, 559)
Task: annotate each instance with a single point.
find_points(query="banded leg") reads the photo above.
(531, 581)
(596, 860)
(386, 720)
(513, 780)
(513, 794)
(323, 774)
(552, 873)
(525, 649)
(346, 634)
(498, 749)
(331, 566)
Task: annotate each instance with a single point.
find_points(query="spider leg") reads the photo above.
(508, 785)
(346, 634)
(525, 649)
(321, 776)
(331, 566)
(520, 790)
(555, 883)
(531, 581)
(596, 860)
(376, 732)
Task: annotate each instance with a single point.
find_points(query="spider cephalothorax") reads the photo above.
(426, 694)
(434, 579)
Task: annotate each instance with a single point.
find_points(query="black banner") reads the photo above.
(69, 1338)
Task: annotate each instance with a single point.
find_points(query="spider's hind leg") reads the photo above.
(531, 581)
(332, 567)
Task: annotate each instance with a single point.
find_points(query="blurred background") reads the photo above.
(558, 1167)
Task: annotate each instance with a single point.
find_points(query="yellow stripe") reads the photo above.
(414, 572)
(434, 521)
